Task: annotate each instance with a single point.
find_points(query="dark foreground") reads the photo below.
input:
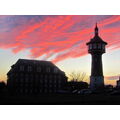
(61, 99)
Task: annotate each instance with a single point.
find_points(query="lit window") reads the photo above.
(21, 68)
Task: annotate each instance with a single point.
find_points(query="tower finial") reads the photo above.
(96, 24)
(96, 30)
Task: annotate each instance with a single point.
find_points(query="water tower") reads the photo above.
(96, 47)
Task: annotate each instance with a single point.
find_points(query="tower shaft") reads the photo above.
(96, 69)
(96, 78)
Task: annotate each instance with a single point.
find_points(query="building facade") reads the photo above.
(34, 77)
(96, 47)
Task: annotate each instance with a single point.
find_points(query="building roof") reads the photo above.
(34, 64)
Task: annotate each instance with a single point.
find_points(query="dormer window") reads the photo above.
(21, 68)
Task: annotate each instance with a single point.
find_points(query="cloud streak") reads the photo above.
(57, 37)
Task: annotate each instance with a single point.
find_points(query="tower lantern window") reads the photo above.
(94, 46)
(99, 46)
(90, 46)
(103, 46)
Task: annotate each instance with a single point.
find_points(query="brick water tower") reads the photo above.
(96, 47)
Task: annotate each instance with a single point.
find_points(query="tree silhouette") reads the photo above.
(77, 76)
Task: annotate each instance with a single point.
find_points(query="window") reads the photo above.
(21, 74)
(94, 46)
(21, 68)
(50, 81)
(41, 81)
(31, 91)
(45, 77)
(99, 46)
(103, 46)
(55, 70)
(59, 85)
(26, 90)
(26, 79)
(29, 68)
(45, 80)
(59, 81)
(59, 77)
(90, 46)
(39, 69)
(45, 90)
(55, 78)
(21, 91)
(48, 70)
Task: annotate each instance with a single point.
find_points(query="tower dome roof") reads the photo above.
(96, 38)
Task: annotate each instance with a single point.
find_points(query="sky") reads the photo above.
(60, 39)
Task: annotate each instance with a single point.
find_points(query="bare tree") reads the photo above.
(77, 76)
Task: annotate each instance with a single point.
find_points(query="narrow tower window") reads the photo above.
(103, 46)
(99, 46)
(90, 46)
(94, 45)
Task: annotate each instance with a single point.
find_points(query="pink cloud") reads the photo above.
(64, 35)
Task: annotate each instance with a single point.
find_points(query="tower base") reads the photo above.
(96, 82)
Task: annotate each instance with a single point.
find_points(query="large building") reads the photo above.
(34, 77)
(96, 47)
